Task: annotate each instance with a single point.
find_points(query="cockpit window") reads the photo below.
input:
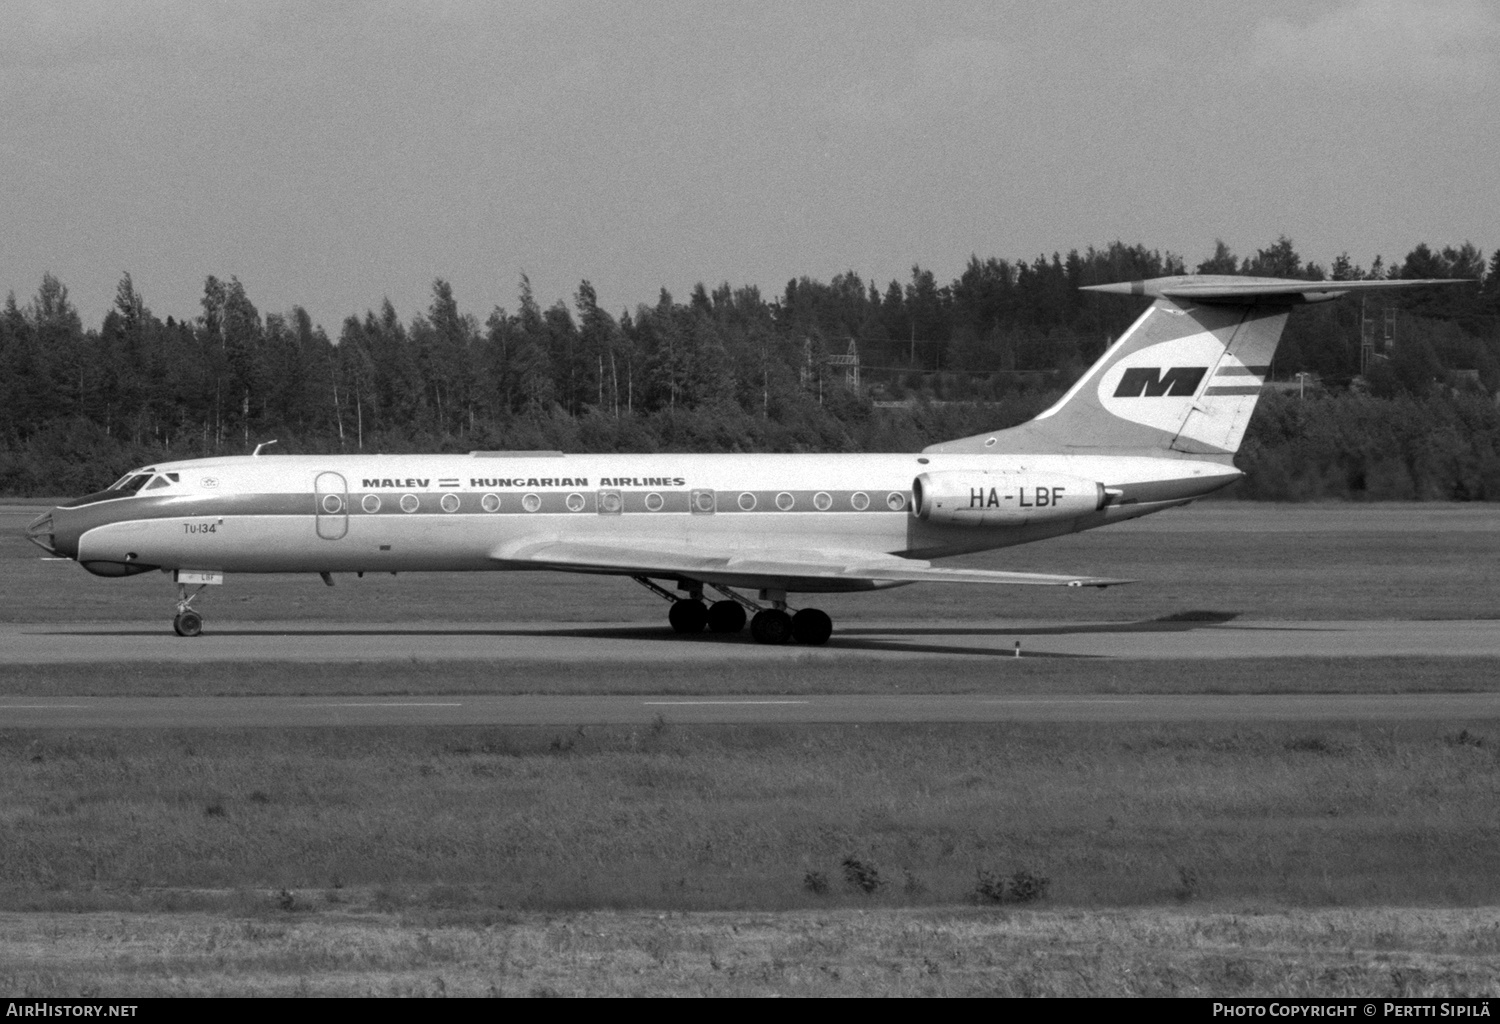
(131, 483)
(156, 481)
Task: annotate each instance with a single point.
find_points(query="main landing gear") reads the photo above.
(809, 626)
(187, 622)
(774, 625)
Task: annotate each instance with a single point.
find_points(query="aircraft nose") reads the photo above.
(44, 533)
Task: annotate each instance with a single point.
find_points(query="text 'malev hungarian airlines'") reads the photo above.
(1154, 423)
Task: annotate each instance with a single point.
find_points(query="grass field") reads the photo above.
(727, 817)
(1190, 859)
(942, 859)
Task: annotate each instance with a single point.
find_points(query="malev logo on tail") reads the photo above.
(1155, 386)
(1153, 382)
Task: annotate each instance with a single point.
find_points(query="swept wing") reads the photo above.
(782, 570)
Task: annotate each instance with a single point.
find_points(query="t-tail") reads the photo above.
(1183, 380)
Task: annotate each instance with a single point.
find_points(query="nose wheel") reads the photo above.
(187, 622)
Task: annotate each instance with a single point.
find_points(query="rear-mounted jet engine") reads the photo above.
(980, 498)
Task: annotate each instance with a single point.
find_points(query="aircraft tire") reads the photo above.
(725, 617)
(771, 626)
(812, 627)
(688, 616)
(188, 623)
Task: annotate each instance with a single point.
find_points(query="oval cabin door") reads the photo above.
(331, 495)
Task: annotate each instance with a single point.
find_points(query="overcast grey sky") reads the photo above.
(334, 153)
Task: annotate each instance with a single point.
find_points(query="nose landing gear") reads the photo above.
(187, 622)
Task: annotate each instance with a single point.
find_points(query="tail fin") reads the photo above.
(1183, 379)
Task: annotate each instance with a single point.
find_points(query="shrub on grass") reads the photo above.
(1022, 887)
(1316, 745)
(1027, 887)
(1189, 884)
(815, 882)
(990, 887)
(862, 876)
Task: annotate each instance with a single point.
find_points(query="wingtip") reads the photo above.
(1119, 288)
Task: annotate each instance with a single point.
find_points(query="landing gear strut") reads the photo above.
(187, 622)
(688, 614)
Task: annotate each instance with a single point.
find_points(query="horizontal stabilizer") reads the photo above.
(1230, 288)
(791, 570)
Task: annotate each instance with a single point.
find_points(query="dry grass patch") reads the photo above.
(883, 952)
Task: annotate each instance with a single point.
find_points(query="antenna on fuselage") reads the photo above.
(263, 444)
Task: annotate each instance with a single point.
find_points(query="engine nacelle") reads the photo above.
(982, 498)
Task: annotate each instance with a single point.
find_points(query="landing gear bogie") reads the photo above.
(690, 614)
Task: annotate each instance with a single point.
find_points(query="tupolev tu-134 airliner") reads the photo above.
(1155, 423)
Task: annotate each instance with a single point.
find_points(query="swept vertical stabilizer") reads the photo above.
(1184, 379)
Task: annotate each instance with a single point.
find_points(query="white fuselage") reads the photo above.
(390, 513)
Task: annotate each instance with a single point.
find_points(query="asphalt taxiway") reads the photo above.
(646, 643)
(468, 709)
